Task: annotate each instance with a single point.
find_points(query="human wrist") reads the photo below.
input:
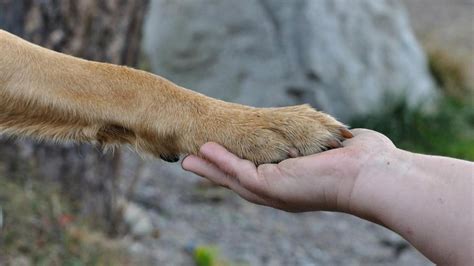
(420, 197)
(376, 187)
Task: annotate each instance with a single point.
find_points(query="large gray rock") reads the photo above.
(342, 56)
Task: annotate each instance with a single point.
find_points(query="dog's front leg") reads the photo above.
(49, 95)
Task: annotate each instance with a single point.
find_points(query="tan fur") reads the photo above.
(49, 95)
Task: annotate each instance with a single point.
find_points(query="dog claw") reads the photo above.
(170, 158)
(293, 153)
(334, 144)
(346, 133)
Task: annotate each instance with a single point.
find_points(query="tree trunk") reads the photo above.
(108, 31)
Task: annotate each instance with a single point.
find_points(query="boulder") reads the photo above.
(342, 56)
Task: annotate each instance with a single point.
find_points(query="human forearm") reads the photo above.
(426, 199)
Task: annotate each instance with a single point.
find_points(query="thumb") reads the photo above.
(227, 161)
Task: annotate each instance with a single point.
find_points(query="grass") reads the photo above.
(38, 227)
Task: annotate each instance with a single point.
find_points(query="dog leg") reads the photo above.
(49, 95)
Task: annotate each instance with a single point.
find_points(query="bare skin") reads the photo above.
(428, 200)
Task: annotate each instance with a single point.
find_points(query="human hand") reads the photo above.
(417, 196)
(324, 181)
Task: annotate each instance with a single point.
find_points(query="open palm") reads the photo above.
(322, 181)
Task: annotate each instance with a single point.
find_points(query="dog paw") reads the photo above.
(270, 135)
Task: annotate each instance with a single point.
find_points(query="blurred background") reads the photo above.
(404, 68)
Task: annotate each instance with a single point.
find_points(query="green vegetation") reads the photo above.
(449, 131)
(210, 256)
(206, 256)
(38, 228)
